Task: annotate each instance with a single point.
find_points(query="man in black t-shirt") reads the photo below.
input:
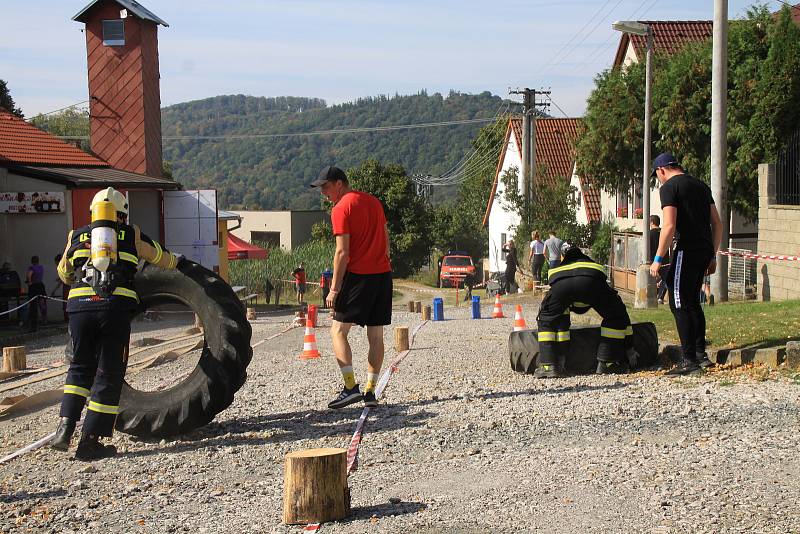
(690, 214)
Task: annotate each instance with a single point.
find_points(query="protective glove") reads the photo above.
(183, 264)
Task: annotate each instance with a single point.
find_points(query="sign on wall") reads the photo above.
(32, 202)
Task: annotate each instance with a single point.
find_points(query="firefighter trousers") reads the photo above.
(99, 339)
(616, 333)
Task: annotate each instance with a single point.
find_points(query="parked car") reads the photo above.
(456, 267)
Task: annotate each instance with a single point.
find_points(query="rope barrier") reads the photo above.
(20, 306)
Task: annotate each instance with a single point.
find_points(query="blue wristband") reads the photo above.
(658, 259)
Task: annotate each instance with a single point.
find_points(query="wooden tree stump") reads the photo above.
(426, 313)
(251, 314)
(411, 306)
(401, 338)
(315, 486)
(14, 359)
(418, 306)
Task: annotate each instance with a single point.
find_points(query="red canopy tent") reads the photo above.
(238, 249)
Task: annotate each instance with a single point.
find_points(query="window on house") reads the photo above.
(637, 195)
(268, 240)
(502, 244)
(114, 32)
(622, 204)
(578, 199)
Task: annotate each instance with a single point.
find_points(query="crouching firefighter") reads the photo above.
(100, 262)
(577, 285)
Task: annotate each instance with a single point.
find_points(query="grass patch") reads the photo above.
(735, 324)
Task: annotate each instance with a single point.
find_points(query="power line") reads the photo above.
(57, 110)
(557, 106)
(310, 134)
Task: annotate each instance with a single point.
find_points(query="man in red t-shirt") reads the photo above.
(361, 289)
(299, 275)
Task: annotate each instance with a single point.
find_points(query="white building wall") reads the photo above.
(35, 234)
(581, 215)
(502, 221)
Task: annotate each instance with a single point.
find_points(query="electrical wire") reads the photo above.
(57, 110)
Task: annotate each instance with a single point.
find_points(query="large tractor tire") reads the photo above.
(221, 369)
(524, 349)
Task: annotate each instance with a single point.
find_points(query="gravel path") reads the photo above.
(460, 444)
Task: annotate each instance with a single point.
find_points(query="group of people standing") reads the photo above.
(549, 250)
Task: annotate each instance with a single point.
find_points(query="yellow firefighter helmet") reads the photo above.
(115, 197)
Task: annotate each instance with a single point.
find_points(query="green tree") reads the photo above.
(763, 109)
(775, 109)
(7, 102)
(408, 217)
(552, 209)
(611, 145)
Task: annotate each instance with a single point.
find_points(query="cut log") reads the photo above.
(14, 359)
(401, 338)
(251, 314)
(426, 313)
(418, 306)
(315, 486)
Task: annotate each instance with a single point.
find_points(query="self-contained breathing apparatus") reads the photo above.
(102, 272)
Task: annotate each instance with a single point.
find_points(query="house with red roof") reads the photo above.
(555, 160)
(625, 207)
(46, 184)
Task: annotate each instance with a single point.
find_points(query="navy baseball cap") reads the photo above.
(665, 159)
(329, 174)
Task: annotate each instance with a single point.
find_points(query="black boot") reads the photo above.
(612, 368)
(90, 448)
(66, 427)
(549, 370)
(685, 367)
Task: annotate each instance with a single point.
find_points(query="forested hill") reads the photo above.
(274, 172)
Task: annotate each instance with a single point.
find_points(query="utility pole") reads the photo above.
(719, 141)
(529, 114)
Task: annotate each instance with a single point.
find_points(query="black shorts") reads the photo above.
(365, 299)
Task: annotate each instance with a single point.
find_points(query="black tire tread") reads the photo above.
(221, 370)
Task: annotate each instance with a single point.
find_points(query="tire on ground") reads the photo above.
(523, 349)
(221, 369)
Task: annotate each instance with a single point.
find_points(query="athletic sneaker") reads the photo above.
(548, 371)
(346, 398)
(369, 399)
(686, 367)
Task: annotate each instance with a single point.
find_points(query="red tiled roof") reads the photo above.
(669, 36)
(25, 144)
(555, 157)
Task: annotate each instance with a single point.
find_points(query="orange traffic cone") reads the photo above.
(497, 313)
(309, 343)
(519, 320)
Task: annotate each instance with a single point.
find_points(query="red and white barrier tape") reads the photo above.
(355, 442)
(750, 255)
(352, 450)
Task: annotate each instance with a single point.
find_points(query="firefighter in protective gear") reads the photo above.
(101, 304)
(577, 285)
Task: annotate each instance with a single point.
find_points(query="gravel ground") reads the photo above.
(460, 444)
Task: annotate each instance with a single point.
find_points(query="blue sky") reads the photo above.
(340, 50)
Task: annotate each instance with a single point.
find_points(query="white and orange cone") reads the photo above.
(310, 350)
(519, 320)
(497, 313)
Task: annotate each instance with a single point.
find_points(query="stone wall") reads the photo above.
(778, 233)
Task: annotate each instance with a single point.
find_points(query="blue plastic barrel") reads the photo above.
(476, 307)
(438, 309)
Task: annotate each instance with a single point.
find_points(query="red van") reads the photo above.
(455, 268)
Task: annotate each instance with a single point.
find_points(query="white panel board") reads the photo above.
(190, 225)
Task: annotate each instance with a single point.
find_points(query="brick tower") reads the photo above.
(124, 93)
